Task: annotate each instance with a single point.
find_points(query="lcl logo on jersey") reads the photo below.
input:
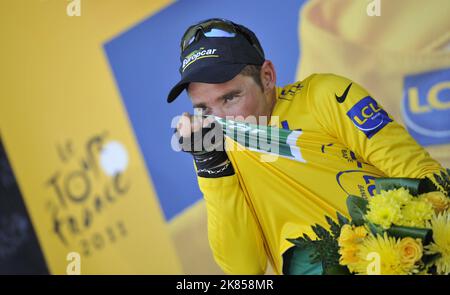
(426, 107)
(368, 116)
(357, 182)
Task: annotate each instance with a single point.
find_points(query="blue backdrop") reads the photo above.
(145, 62)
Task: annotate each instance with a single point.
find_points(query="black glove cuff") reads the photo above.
(207, 146)
(220, 171)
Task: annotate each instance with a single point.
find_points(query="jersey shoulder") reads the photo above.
(323, 84)
(310, 96)
(314, 85)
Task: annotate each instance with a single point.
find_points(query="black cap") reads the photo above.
(215, 60)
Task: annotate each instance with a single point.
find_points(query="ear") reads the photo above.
(268, 76)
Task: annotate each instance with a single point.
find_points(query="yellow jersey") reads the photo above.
(345, 140)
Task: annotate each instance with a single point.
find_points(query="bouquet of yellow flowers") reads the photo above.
(403, 229)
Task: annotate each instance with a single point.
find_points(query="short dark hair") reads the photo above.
(253, 71)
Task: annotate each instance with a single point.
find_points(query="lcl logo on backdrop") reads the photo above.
(426, 107)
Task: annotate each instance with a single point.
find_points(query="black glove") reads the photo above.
(207, 146)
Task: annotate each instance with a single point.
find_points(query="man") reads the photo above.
(345, 140)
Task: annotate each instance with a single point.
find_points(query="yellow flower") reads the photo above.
(348, 241)
(411, 251)
(438, 200)
(346, 235)
(401, 195)
(383, 215)
(384, 208)
(390, 257)
(360, 232)
(350, 236)
(440, 225)
(415, 213)
(348, 255)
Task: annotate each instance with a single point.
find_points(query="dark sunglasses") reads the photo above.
(217, 27)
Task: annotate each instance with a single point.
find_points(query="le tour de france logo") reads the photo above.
(84, 192)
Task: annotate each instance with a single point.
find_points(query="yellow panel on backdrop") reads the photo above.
(379, 44)
(69, 141)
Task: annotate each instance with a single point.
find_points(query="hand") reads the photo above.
(188, 124)
(198, 134)
(204, 139)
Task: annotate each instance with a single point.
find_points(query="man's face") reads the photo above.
(241, 96)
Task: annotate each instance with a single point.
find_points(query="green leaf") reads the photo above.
(321, 232)
(425, 234)
(342, 219)
(412, 184)
(375, 229)
(297, 261)
(431, 259)
(300, 242)
(334, 227)
(357, 208)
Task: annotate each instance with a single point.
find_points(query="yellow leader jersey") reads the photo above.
(345, 140)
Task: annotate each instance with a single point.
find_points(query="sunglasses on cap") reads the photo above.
(217, 27)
